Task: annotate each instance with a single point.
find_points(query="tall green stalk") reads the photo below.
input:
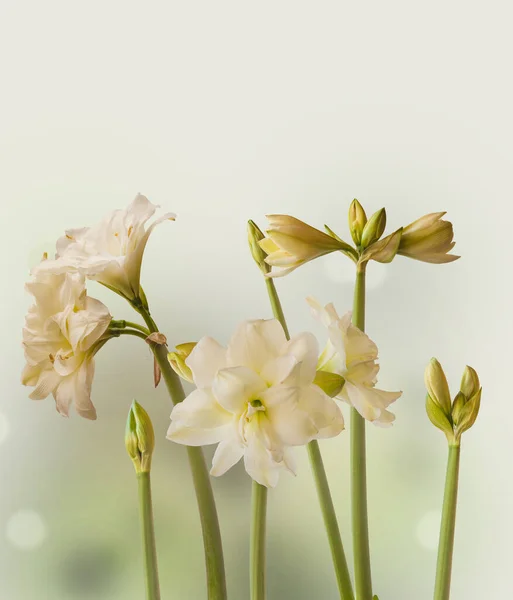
(148, 535)
(257, 574)
(361, 551)
(216, 580)
(446, 542)
(345, 586)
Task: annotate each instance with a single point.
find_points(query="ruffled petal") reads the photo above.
(235, 386)
(254, 343)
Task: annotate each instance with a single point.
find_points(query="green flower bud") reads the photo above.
(330, 383)
(374, 228)
(255, 235)
(466, 405)
(468, 414)
(469, 382)
(437, 386)
(357, 221)
(177, 360)
(438, 417)
(139, 438)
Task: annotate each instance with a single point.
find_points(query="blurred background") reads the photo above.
(225, 111)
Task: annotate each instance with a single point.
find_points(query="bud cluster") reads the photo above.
(452, 417)
(288, 243)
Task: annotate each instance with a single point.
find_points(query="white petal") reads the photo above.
(134, 258)
(227, 454)
(233, 387)
(200, 410)
(368, 401)
(323, 411)
(254, 343)
(305, 349)
(83, 384)
(206, 359)
(278, 369)
(292, 425)
(259, 463)
(47, 382)
(64, 395)
(192, 436)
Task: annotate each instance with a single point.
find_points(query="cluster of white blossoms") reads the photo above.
(351, 354)
(256, 398)
(65, 327)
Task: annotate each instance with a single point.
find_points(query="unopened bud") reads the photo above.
(139, 438)
(439, 418)
(177, 360)
(437, 386)
(374, 228)
(357, 221)
(469, 382)
(428, 239)
(255, 235)
(466, 405)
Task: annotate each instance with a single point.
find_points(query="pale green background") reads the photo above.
(224, 111)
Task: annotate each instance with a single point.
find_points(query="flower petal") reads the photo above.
(200, 410)
(235, 386)
(259, 463)
(254, 343)
(227, 454)
(207, 358)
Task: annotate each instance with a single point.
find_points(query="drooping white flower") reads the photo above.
(352, 354)
(256, 399)
(58, 337)
(110, 252)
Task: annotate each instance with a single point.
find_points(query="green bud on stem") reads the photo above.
(139, 438)
(374, 228)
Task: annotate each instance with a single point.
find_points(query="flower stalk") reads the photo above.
(257, 562)
(447, 527)
(140, 444)
(363, 581)
(345, 586)
(216, 579)
(148, 535)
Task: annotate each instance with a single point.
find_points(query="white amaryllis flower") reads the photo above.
(256, 398)
(58, 337)
(352, 354)
(110, 252)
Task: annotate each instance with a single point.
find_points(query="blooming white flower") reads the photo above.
(256, 398)
(60, 331)
(352, 354)
(110, 252)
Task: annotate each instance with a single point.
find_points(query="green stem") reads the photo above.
(216, 580)
(361, 551)
(122, 324)
(136, 333)
(148, 535)
(446, 543)
(321, 481)
(257, 543)
(330, 522)
(276, 305)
